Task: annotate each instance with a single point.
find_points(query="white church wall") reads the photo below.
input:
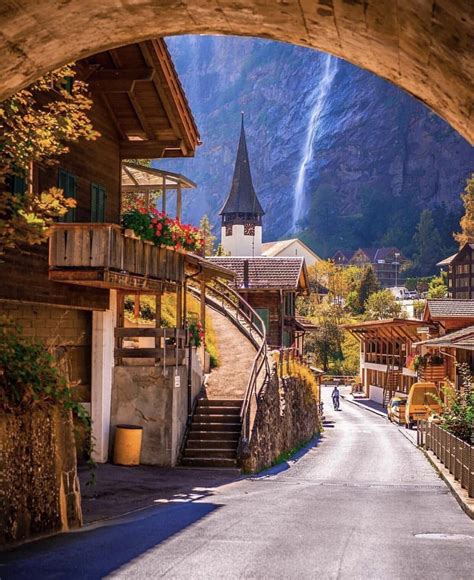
(238, 244)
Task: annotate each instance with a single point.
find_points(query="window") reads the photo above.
(249, 230)
(290, 304)
(16, 184)
(98, 197)
(264, 314)
(287, 338)
(67, 182)
(228, 230)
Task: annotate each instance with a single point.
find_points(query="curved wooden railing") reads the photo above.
(228, 302)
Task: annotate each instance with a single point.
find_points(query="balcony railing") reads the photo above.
(102, 255)
(385, 359)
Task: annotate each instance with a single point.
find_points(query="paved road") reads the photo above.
(362, 503)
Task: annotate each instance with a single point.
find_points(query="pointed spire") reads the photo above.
(242, 197)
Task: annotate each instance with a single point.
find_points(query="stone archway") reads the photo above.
(425, 47)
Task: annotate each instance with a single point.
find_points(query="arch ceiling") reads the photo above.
(424, 46)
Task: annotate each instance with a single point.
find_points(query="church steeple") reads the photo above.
(242, 197)
(242, 212)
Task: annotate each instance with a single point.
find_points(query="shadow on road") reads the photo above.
(94, 553)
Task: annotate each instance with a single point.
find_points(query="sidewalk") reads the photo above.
(120, 490)
(367, 404)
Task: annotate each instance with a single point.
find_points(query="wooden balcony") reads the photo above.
(101, 255)
(145, 346)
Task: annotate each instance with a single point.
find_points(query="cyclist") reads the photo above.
(335, 398)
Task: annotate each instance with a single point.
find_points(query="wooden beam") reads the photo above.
(118, 80)
(147, 149)
(141, 116)
(179, 202)
(163, 194)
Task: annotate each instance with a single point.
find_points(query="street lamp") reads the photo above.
(397, 255)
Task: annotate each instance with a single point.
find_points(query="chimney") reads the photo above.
(246, 273)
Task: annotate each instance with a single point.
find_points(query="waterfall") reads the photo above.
(319, 97)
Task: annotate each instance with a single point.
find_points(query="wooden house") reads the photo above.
(386, 263)
(460, 268)
(70, 292)
(270, 286)
(386, 351)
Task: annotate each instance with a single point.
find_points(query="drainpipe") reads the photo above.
(246, 273)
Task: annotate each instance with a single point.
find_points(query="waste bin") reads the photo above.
(128, 444)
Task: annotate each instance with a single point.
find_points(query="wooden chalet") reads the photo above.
(70, 292)
(460, 268)
(271, 286)
(386, 349)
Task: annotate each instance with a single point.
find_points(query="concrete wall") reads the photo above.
(144, 395)
(39, 488)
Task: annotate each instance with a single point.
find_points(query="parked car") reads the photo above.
(396, 410)
(421, 402)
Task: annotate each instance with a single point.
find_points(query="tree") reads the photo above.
(36, 126)
(209, 239)
(438, 287)
(325, 343)
(220, 251)
(382, 305)
(363, 288)
(427, 243)
(466, 235)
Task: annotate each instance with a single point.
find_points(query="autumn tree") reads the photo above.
(37, 124)
(209, 238)
(466, 235)
(438, 287)
(363, 288)
(382, 305)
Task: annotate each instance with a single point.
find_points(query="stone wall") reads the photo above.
(286, 418)
(151, 398)
(39, 488)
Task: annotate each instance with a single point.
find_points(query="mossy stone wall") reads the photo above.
(39, 487)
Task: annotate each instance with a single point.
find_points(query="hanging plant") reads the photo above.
(154, 226)
(197, 334)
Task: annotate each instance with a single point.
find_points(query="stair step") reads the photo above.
(211, 435)
(211, 443)
(201, 462)
(217, 410)
(210, 453)
(208, 418)
(220, 403)
(230, 427)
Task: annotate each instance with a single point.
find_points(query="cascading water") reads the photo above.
(320, 96)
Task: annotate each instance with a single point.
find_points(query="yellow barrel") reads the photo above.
(128, 444)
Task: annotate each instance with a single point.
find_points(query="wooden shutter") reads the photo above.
(67, 182)
(98, 197)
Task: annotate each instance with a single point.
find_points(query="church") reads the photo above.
(270, 284)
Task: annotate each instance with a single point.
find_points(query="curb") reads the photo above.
(361, 406)
(460, 494)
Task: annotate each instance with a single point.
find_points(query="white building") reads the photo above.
(290, 248)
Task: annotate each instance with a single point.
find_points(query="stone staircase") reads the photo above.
(214, 434)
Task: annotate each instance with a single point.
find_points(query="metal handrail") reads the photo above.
(226, 300)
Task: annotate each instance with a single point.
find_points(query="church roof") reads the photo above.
(242, 197)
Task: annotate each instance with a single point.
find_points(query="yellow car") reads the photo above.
(396, 410)
(422, 402)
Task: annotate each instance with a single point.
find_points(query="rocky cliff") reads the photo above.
(339, 156)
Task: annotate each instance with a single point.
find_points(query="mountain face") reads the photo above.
(339, 156)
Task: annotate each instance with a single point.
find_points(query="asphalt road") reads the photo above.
(361, 503)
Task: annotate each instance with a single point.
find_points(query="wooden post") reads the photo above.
(202, 316)
(179, 201)
(157, 323)
(147, 199)
(185, 300)
(136, 309)
(179, 306)
(163, 195)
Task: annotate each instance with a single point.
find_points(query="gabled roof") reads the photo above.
(138, 178)
(275, 248)
(388, 328)
(463, 339)
(448, 261)
(141, 90)
(286, 273)
(242, 197)
(448, 308)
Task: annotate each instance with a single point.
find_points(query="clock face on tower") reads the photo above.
(249, 229)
